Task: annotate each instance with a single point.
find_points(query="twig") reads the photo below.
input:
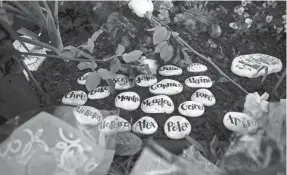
(279, 82)
(53, 56)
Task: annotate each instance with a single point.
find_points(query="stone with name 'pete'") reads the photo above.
(146, 80)
(122, 82)
(158, 104)
(99, 93)
(196, 67)
(83, 79)
(145, 125)
(191, 109)
(127, 100)
(75, 98)
(177, 127)
(203, 96)
(166, 87)
(114, 124)
(87, 115)
(169, 70)
(198, 82)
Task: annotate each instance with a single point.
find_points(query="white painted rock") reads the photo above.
(166, 87)
(127, 100)
(239, 122)
(177, 127)
(82, 79)
(158, 104)
(145, 125)
(204, 97)
(114, 124)
(248, 65)
(122, 82)
(196, 67)
(169, 70)
(76, 98)
(198, 82)
(191, 109)
(99, 93)
(146, 80)
(87, 115)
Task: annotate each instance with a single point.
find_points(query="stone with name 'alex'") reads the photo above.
(145, 125)
(83, 79)
(122, 82)
(191, 109)
(158, 104)
(177, 127)
(203, 96)
(146, 80)
(196, 67)
(169, 70)
(166, 87)
(198, 82)
(99, 93)
(87, 115)
(127, 100)
(75, 98)
(114, 124)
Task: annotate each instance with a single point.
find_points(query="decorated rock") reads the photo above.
(114, 124)
(249, 65)
(158, 104)
(198, 82)
(82, 79)
(145, 125)
(145, 80)
(87, 115)
(122, 82)
(169, 70)
(99, 93)
(204, 97)
(127, 100)
(239, 122)
(191, 109)
(196, 67)
(166, 87)
(76, 98)
(177, 127)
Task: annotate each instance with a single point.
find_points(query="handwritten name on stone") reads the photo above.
(128, 101)
(82, 79)
(114, 124)
(177, 127)
(146, 80)
(158, 104)
(204, 97)
(170, 70)
(198, 82)
(166, 87)
(196, 67)
(75, 98)
(87, 115)
(122, 82)
(145, 125)
(191, 109)
(99, 93)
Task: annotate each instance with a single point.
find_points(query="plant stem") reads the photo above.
(53, 56)
(279, 82)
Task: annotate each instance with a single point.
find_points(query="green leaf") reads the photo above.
(111, 84)
(96, 35)
(93, 81)
(106, 74)
(127, 144)
(159, 46)
(132, 56)
(28, 33)
(120, 50)
(177, 56)
(115, 65)
(86, 65)
(89, 46)
(166, 52)
(160, 34)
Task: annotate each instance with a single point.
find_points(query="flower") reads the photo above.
(256, 105)
(239, 10)
(285, 26)
(246, 15)
(141, 7)
(248, 21)
(245, 2)
(284, 19)
(233, 25)
(269, 18)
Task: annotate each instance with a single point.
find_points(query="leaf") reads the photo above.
(120, 50)
(115, 65)
(86, 65)
(127, 144)
(106, 74)
(159, 46)
(96, 35)
(160, 34)
(93, 81)
(195, 143)
(28, 33)
(177, 56)
(89, 46)
(111, 84)
(132, 56)
(112, 21)
(166, 52)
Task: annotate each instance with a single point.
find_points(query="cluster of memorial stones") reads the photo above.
(175, 127)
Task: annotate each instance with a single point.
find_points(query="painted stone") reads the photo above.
(166, 87)
(114, 124)
(158, 104)
(122, 82)
(196, 67)
(145, 125)
(82, 79)
(87, 115)
(249, 65)
(204, 97)
(169, 70)
(177, 127)
(129, 101)
(76, 98)
(146, 80)
(99, 93)
(191, 109)
(198, 82)
(239, 122)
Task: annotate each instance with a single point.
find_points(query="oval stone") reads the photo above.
(145, 125)
(75, 98)
(203, 96)
(166, 87)
(158, 104)
(83, 79)
(239, 122)
(177, 127)
(127, 100)
(99, 93)
(87, 115)
(191, 109)
(249, 65)
(122, 82)
(198, 82)
(169, 70)
(145, 80)
(196, 67)
(114, 124)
